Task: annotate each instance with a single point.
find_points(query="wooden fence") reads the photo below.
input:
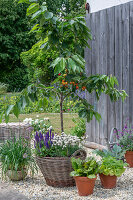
(111, 53)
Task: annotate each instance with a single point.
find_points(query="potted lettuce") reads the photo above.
(109, 170)
(85, 174)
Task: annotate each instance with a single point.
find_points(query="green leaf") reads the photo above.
(43, 8)
(57, 69)
(6, 118)
(35, 27)
(48, 15)
(55, 62)
(32, 8)
(78, 60)
(97, 116)
(62, 64)
(91, 176)
(73, 173)
(16, 110)
(71, 65)
(36, 14)
(9, 108)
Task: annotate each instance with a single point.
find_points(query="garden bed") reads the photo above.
(36, 189)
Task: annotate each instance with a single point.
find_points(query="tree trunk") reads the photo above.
(61, 112)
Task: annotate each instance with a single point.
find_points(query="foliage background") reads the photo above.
(14, 38)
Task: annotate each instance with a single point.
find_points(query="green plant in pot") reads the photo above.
(116, 152)
(126, 143)
(16, 159)
(109, 170)
(85, 174)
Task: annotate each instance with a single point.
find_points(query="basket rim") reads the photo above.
(62, 158)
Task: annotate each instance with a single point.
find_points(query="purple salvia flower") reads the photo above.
(37, 137)
(41, 136)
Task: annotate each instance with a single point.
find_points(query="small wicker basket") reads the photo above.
(56, 170)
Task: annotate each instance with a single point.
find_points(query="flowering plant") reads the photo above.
(126, 138)
(15, 155)
(39, 124)
(55, 145)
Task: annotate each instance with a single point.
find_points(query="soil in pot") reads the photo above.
(16, 175)
(84, 185)
(108, 182)
(129, 158)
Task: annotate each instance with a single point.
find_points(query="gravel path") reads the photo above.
(36, 189)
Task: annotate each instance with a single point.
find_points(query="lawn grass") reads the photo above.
(54, 119)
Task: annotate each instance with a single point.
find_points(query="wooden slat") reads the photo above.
(93, 64)
(125, 59)
(118, 61)
(131, 64)
(110, 66)
(103, 70)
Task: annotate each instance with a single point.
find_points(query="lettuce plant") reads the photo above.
(111, 166)
(84, 168)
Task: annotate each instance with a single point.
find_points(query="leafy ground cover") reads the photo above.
(54, 119)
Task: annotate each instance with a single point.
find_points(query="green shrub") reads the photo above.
(3, 88)
(80, 127)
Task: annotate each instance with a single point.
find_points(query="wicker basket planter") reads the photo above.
(56, 170)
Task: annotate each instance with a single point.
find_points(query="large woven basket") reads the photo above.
(56, 170)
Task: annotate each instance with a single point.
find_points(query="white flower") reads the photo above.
(37, 116)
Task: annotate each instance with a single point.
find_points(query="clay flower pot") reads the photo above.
(108, 182)
(129, 158)
(84, 185)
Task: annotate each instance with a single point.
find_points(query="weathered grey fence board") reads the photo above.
(118, 61)
(125, 56)
(131, 64)
(110, 65)
(111, 53)
(103, 70)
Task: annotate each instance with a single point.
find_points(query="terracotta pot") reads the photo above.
(108, 182)
(129, 158)
(16, 175)
(84, 185)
